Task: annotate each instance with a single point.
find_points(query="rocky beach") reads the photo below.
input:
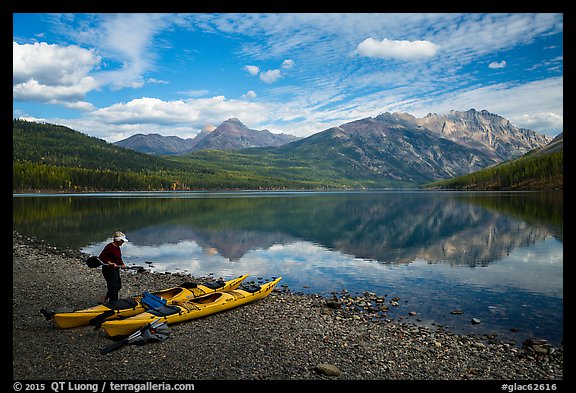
(286, 336)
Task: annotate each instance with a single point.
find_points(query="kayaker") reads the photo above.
(111, 255)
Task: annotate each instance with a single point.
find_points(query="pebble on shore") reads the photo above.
(285, 336)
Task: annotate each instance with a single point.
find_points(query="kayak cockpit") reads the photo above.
(170, 293)
(211, 298)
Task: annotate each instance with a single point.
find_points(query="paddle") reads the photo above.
(154, 330)
(94, 262)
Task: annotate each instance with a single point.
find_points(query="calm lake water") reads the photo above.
(498, 256)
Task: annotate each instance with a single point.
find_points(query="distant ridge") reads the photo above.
(232, 134)
(156, 144)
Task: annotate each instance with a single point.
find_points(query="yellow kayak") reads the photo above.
(123, 308)
(181, 310)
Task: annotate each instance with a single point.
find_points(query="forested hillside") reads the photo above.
(54, 158)
(48, 157)
(540, 169)
(51, 157)
(61, 146)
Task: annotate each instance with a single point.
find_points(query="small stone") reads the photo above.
(534, 341)
(540, 349)
(328, 369)
(333, 304)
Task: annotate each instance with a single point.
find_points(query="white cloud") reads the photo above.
(148, 110)
(52, 73)
(252, 69)
(155, 81)
(270, 76)
(396, 49)
(548, 122)
(194, 93)
(249, 95)
(194, 113)
(495, 64)
(126, 39)
(288, 64)
(79, 105)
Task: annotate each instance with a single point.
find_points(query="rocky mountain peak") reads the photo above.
(486, 131)
(234, 120)
(232, 134)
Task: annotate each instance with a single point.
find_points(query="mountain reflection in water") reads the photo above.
(499, 254)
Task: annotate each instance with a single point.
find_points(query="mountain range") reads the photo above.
(232, 134)
(394, 148)
(492, 135)
(390, 150)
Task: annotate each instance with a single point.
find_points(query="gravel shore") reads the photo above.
(285, 336)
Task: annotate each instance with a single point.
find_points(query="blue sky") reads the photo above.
(115, 75)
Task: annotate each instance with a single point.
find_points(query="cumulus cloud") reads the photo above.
(496, 64)
(53, 73)
(195, 112)
(394, 49)
(270, 76)
(252, 69)
(288, 64)
(249, 95)
(544, 121)
(147, 110)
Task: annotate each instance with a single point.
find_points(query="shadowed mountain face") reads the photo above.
(378, 147)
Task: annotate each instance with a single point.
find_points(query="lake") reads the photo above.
(497, 256)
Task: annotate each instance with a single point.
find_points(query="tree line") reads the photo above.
(530, 172)
(48, 157)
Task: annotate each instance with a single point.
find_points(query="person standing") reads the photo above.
(111, 255)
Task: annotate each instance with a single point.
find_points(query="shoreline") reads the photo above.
(285, 336)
